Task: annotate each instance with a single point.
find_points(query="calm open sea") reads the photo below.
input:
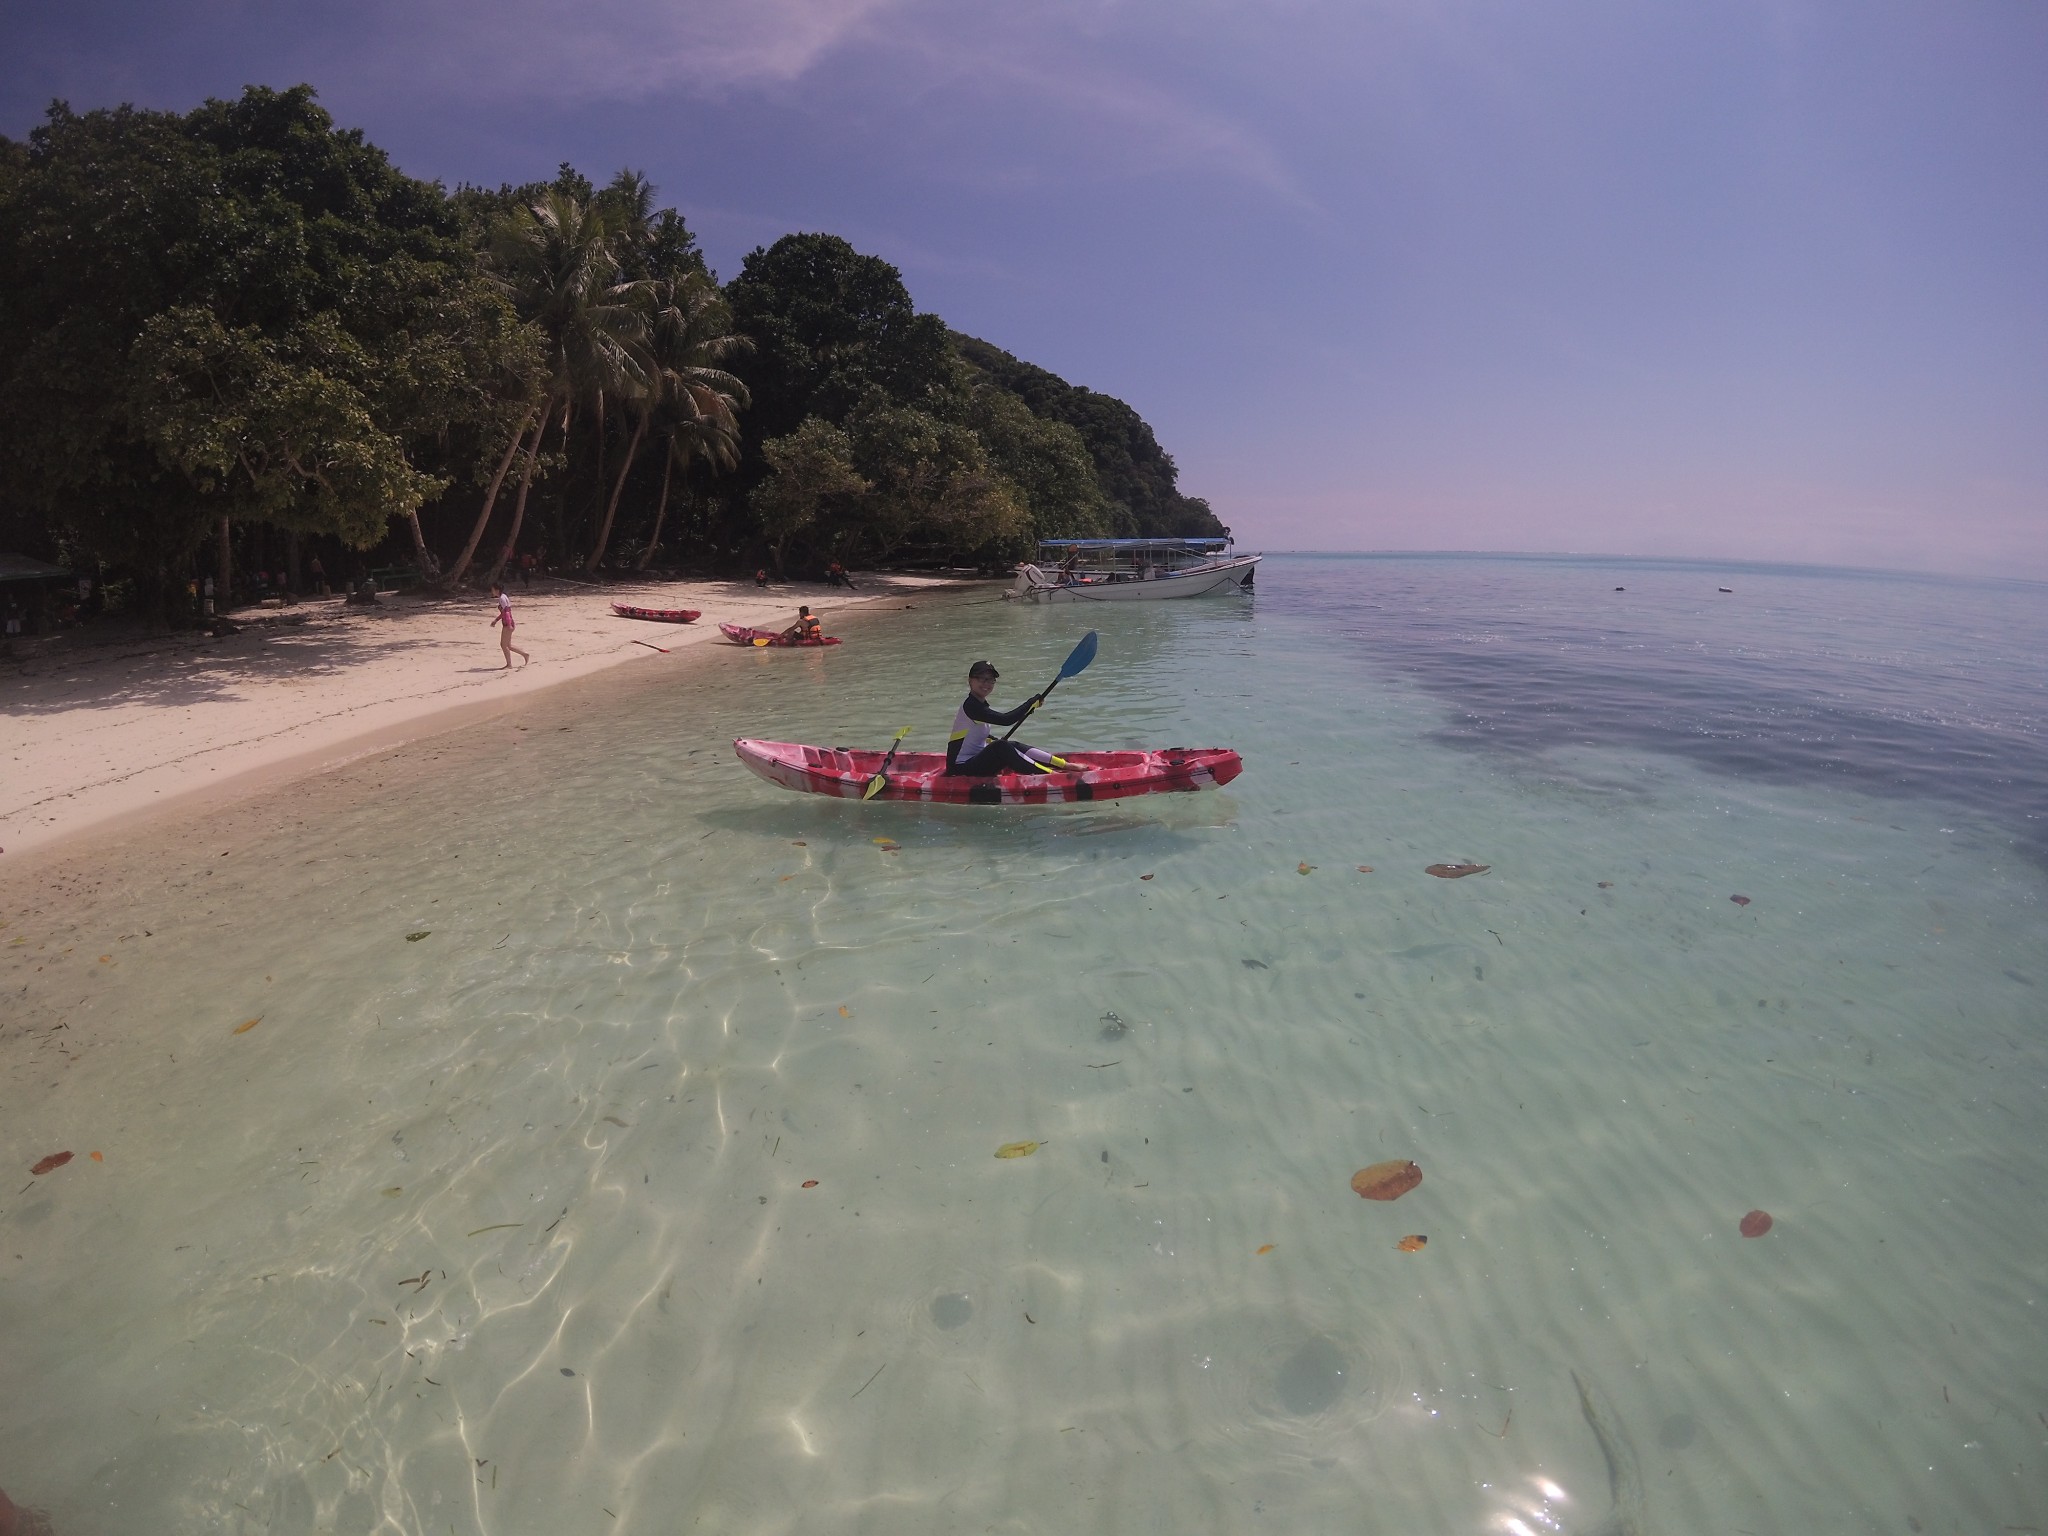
(614, 1145)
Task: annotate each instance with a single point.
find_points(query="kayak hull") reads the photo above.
(659, 615)
(844, 773)
(740, 634)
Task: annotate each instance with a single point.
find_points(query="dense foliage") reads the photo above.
(234, 335)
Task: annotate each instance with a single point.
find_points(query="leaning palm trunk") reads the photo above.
(483, 518)
(519, 506)
(668, 465)
(604, 532)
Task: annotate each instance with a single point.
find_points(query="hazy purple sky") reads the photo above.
(1763, 279)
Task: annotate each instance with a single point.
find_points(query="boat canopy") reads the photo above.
(1140, 546)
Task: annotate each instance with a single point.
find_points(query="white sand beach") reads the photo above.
(92, 733)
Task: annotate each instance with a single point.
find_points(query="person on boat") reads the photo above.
(806, 630)
(1071, 563)
(971, 751)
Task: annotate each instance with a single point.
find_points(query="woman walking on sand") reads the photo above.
(504, 618)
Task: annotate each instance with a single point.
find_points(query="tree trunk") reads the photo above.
(519, 506)
(668, 465)
(225, 575)
(604, 532)
(483, 518)
(291, 562)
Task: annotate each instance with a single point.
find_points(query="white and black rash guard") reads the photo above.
(970, 728)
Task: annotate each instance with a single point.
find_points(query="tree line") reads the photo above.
(233, 335)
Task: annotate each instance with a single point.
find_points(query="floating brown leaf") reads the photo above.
(1144, 877)
(1304, 867)
(1365, 869)
(1415, 1242)
(95, 1157)
(1455, 871)
(1606, 885)
(246, 1025)
(414, 938)
(1756, 1224)
(810, 1183)
(1017, 1149)
(845, 1012)
(1740, 901)
(54, 1160)
(1386, 1181)
(1265, 1248)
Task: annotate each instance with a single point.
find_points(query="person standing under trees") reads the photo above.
(504, 619)
(319, 575)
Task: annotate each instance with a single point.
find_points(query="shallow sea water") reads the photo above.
(505, 1228)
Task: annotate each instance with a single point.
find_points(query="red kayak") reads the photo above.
(739, 634)
(659, 615)
(845, 773)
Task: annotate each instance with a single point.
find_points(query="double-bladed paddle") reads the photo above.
(881, 777)
(1075, 664)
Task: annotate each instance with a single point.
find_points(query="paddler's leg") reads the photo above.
(1046, 761)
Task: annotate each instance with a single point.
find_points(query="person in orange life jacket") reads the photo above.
(971, 750)
(806, 630)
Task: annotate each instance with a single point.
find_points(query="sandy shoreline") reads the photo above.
(93, 735)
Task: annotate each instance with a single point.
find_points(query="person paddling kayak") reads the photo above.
(972, 752)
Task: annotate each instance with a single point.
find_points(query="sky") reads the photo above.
(1723, 279)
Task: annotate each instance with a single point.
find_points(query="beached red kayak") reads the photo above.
(739, 634)
(922, 775)
(659, 615)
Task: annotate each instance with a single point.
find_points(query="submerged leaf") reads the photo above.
(845, 1012)
(1144, 877)
(95, 1157)
(1017, 1149)
(810, 1183)
(1415, 1242)
(1304, 867)
(1740, 901)
(1365, 869)
(414, 938)
(247, 1025)
(1266, 1248)
(54, 1160)
(1386, 1181)
(1756, 1224)
(1455, 871)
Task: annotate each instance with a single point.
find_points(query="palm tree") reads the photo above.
(687, 438)
(555, 261)
(689, 331)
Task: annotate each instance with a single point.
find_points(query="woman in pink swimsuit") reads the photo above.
(504, 618)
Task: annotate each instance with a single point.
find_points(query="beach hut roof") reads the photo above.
(28, 568)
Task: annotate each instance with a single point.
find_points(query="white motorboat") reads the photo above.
(1132, 570)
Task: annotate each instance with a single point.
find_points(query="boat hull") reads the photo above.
(844, 773)
(1225, 576)
(659, 615)
(740, 634)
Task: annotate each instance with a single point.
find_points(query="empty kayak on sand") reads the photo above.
(659, 615)
(844, 772)
(739, 634)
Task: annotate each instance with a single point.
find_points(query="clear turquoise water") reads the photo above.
(505, 1229)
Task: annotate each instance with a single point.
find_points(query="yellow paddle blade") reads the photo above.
(760, 640)
(874, 787)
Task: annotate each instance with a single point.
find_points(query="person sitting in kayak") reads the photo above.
(806, 630)
(972, 752)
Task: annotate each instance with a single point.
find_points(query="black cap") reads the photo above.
(982, 669)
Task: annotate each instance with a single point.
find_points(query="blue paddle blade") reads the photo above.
(1077, 661)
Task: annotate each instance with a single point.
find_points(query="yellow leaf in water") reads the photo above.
(1267, 1248)
(785, 877)
(845, 1012)
(1017, 1149)
(244, 1028)
(396, 1189)
(883, 842)
(1304, 868)
(106, 959)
